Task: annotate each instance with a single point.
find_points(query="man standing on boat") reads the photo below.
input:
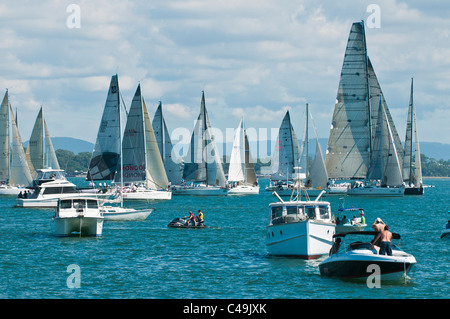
(386, 242)
(378, 226)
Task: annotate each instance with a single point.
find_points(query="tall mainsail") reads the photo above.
(203, 163)
(241, 167)
(106, 154)
(40, 151)
(4, 140)
(165, 146)
(142, 161)
(20, 171)
(385, 163)
(287, 152)
(353, 125)
(412, 172)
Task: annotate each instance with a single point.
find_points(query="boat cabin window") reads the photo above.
(49, 175)
(66, 204)
(79, 203)
(292, 210)
(92, 204)
(310, 211)
(324, 212)
(59, 190)
(277, 212)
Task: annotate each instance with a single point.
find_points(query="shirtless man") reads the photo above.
(386, 242)
(378, 226)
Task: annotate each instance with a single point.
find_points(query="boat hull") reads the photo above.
(84, 226)
(244, 190)
(356, 265)
(200, 191)
(304, 239)
(147, 195)
(376, 191)
(125, 214)
(11, 190)
(350, 227)
(413, 190)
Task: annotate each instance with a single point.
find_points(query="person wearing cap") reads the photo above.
(363, 219)
(378, 226)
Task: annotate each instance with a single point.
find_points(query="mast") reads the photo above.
(411, 105)
(307, 142)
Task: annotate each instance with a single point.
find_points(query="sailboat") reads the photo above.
(241, 174)
(412, 166)
(165, 147)
(316, 177)
(384, 165)
(142, 169)
(15, 174)
(106, 156)
(353, 128)
(285, 160)
(203, 166)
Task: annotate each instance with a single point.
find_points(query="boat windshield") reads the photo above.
(295, 213)
(49, 175)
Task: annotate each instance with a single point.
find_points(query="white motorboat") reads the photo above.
(118, 213)
(344, 224)
(300, 228)
(78, 215)
(199, 190)
(357, 259)
(338, 188)
(361, 189)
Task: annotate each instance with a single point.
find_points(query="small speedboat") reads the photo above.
(183, 223)
(446, 230)
(357, 259)
(354, 224)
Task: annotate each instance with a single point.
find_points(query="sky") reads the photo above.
(255, 59)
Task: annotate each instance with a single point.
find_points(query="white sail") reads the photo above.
(349, 141)
(385, 163)
(412, 171)
(106, 154)
(241, 167)
(20, 172)
(287, 152)
(141, 161)
(4, 140)
(203, 163)
(40, 151)
(165, 146)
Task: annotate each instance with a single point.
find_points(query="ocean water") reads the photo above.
(148, 260)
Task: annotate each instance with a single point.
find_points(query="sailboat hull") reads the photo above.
(147, 194)
(244, 190)
(414, 191)
(200, 190)
(11, 190)
(377, 191)
(124, 214)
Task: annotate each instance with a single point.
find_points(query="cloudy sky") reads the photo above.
(255, 58)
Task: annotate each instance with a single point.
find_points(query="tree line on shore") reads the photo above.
(73, 163)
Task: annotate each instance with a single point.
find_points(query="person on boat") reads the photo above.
(20, 195)
(378, 226)
(200, 217)
(345, 220)
(363, 219)
(448, 225)
(335, 248)
(386, 241)
(191, 217)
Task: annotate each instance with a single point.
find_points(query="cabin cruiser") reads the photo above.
(353, 260)
(79, 215)
(298, 228)
(338, 188)
(47, 187)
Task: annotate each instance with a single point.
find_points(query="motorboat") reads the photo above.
(119, 213)
(199, 190)
(344, 224)
(356, 259)
(78, 215)
(362, 189)
(338, 188)
(184, 222)
(446, 231)
(299, 228)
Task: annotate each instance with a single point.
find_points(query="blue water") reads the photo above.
(149, 260)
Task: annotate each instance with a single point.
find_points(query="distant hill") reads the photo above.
(70, 144)
(430, 149)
